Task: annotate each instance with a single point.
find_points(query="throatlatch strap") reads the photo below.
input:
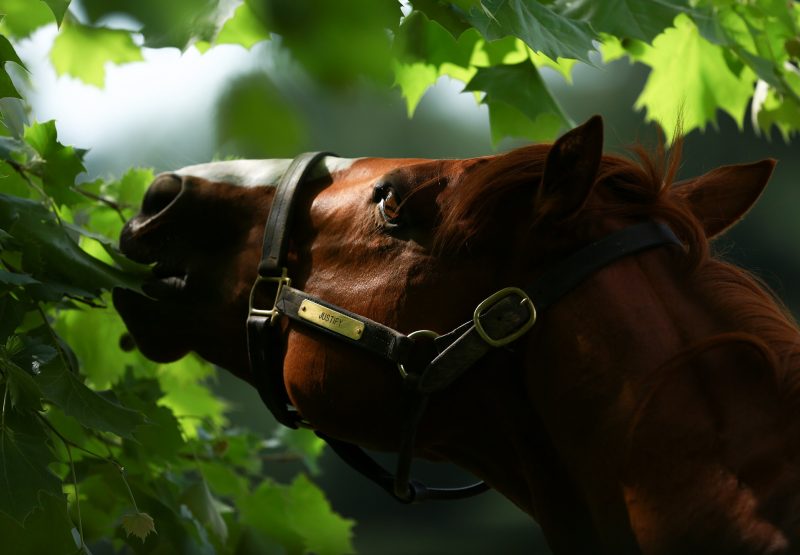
(264, 349)
(276, 231)
(463, 347)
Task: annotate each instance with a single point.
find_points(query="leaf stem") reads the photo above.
(71, 443)
(5, 396)
(103, 200)
(77, 493)
(54, 336)
(24, 174)
(122, 474)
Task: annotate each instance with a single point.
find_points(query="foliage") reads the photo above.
(100, 447)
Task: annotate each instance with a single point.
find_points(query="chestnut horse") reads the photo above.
(650, 409)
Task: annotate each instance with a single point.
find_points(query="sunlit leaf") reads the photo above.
(83, 51)
(24, 459)
(187, 395)
(425, 52)
(298, 517)
(22, 17)
(140, 525)
(244, 28)
(690, 78)
(62, 164)
(94, 335)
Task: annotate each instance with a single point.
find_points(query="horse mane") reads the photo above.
(496, 193)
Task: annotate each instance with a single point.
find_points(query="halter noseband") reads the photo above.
(499, 320)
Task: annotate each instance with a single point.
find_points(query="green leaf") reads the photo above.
(541, 28)
(22, 388)
(62, 164)
(519, 102)
(173, 23)
(47, 530)
(160, 436)
(8, 54)
(337, 42)
(206, 509)
(445, 14)
(625, 18)
(298, 517)
(11, 313)
(783, 113)
(255, 121)
(24, 458)
(425, 52)
(52, 256)
(305, 443)
(223, 479)
(82, 51)
(93, 410)
(188, 397)
(93, 335)
(691, 79)
(59, 8)
(244, 28)
(23, 17)
(16, 278)
(140, 525)
(22, 359)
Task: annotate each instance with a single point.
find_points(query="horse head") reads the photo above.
(643, 410)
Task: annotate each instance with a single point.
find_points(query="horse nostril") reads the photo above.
(161, 193)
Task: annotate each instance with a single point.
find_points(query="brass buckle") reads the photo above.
(493, 300)
(282, 281)
(412, 335)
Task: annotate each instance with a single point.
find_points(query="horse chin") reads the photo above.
(152, 328)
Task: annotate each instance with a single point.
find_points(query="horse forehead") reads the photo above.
(254, 173)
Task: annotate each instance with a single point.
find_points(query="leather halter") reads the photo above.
(497, 321)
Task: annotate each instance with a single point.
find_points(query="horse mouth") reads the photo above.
(168, 281)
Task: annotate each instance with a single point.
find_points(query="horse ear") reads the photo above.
(722, 197)
(571, 169)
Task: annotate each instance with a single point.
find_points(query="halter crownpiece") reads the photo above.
(501, 319)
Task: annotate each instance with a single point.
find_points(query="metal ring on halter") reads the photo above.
(413, 335)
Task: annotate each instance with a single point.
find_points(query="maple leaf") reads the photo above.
(138, 524)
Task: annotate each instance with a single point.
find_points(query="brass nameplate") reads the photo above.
(330, 319)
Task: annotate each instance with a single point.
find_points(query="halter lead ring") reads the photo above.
(500, 319)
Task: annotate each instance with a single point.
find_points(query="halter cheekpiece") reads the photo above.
(502, 318)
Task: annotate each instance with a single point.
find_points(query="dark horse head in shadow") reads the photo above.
(652, 408)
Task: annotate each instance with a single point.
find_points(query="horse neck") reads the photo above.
(486, 424)
(663, 449)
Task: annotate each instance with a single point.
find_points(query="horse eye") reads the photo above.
(388, 203)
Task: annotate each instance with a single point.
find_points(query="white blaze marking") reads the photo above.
(252, 173)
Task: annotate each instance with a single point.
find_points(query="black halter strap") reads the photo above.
(499, 320)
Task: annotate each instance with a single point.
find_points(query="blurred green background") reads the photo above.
(173, 110)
